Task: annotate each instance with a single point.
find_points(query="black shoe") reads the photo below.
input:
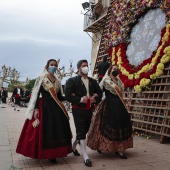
(121, 156)
(76, 153)
(54, 161)
(88, 162)
(99, 151)
(14, 109)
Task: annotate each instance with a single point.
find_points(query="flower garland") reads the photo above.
(140, 77)
(124, 15)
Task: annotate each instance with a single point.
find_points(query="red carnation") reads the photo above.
(137, 81)
(147, 75)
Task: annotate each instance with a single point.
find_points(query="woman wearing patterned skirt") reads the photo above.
(111, 128)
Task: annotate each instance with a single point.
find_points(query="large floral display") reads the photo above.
(137, 67)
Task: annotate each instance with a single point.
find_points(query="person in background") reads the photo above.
(17, 94)
(111, 128)
(6, 89)
(83, 93)
(0, 97)
(3, 97)
(102, 68)
(46, 133)
(26, 97)
(98, 9)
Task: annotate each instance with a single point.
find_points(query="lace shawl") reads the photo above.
(34, 94)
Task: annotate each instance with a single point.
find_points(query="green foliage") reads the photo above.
(30, 85)
(12, 85)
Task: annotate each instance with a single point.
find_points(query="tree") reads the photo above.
(30, 85)
(8, 75)
(12, 85)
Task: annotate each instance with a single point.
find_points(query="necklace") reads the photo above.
(114, 80)
(52, 79)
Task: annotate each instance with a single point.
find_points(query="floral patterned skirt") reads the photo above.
(97, 141)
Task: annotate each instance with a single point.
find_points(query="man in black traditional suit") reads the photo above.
(83, 93)
(17, 94)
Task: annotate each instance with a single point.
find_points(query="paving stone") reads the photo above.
(146, 154)
(161, 165)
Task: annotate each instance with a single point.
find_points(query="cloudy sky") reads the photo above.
(33, 31)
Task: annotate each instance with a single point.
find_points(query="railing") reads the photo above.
(89, 16)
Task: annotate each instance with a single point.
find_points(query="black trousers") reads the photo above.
(82, 120)
(17, 100)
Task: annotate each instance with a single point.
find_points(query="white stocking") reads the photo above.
(16, 107)
(83, 149)
(74, 144)
(121, 153)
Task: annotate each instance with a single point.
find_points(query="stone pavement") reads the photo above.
(147, 154)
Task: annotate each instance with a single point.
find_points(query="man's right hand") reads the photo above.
(84, 99)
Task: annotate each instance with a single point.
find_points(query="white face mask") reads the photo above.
(85, 70)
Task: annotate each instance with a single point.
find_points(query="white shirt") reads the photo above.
(18, 91)
(86, 84)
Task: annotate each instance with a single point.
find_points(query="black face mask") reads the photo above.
(114, 73)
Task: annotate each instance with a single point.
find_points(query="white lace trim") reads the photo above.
(34, 94)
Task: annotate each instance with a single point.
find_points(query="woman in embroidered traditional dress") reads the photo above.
(50, 138)
(111, 128)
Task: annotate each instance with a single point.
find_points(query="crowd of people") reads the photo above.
(102, 123)
(19, 97)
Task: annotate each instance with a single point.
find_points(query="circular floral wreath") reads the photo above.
(151, 68)
(139, 77)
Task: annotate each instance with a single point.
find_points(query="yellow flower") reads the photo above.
(154, 60)
(121, 68)
(165, 37)
(137, 88)
(145, 68)
(165, 59)
(167, 50)
(153, 76)
(151, 66)
(144, 82)
(114, 33)
(113, 55)
(119, 62)
(136, 76)
(160, 66)
(159, 72)
(118, 53)
(130, 76)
